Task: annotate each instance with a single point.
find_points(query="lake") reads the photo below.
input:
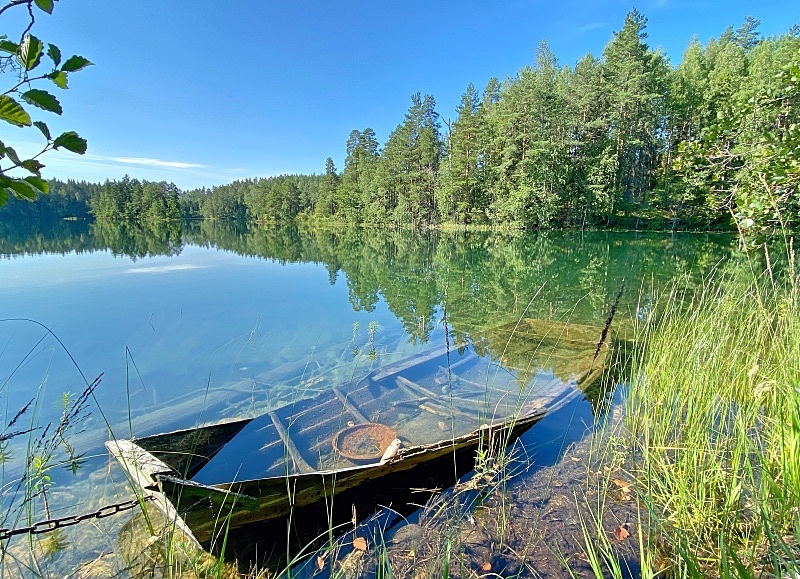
(211, 321)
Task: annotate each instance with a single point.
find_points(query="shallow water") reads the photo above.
(228, 322)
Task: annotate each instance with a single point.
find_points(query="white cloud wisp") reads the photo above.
(156, 162)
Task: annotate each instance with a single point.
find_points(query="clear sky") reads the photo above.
(204, 92)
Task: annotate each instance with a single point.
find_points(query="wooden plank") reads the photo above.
(315, 427)
(416, 387)
(414, 361)
(351, 408)
(464, 359)
(143, 469)
(188, 450)
(300, 408)
(140, 465)
(297, 458)
(433, 404)
(485, 386)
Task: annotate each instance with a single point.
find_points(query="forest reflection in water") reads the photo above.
(477, 277)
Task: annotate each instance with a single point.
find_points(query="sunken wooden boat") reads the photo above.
(313, 463)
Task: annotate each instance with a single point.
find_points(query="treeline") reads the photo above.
(271, 199)
(131, 200)
(124, 201)
(610, 141)
(593, 144)
(70, 199)
(620, 140)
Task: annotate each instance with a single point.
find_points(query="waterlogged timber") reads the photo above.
(217, 323)
(441, 406)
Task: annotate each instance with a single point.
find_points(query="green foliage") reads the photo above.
(406, 174)
(65, 200)
(353, 197)
(607, 143)
(636, 86)
(621, 140)
(326, 202)
(19, 65)
(531, 144)
(273, 199)
(130, 200)
(750, 155)
(460, 175)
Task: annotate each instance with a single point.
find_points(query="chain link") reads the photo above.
(52, 524)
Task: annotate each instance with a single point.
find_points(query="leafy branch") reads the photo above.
(21, 59)
(751, 157)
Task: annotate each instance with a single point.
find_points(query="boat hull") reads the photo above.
(278, 481)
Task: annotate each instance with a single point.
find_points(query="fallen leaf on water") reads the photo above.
(621, 533)
(486, 566)
(360, 543)
(320, 562)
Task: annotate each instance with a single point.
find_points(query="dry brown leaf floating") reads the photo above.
(621, 533)
(320, 562)
(624, 485)
(360, 543)
(486, 566)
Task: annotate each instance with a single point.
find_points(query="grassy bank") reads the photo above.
(712, 427)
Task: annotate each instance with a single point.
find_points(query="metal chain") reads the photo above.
(52, 524)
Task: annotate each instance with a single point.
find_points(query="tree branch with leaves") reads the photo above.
(21, 66)
(751, 157)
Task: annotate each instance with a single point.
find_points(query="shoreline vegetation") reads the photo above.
(624, 140)
(709, 445)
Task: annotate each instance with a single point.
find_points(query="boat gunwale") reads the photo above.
(404, 454)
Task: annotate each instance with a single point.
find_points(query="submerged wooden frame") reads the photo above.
(209, 515)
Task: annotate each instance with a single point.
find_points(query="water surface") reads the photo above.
(213, 322)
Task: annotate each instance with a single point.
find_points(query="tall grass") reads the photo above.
(713, 423)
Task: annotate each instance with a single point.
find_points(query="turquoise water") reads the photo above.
(227, 322)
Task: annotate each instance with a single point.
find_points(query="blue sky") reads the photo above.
(206, 92)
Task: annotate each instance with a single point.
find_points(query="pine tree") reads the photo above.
(588, 175)
(458, 191)
(407, 173)
(326, 201)
(635, 83)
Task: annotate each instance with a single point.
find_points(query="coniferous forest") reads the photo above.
(623, 139)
